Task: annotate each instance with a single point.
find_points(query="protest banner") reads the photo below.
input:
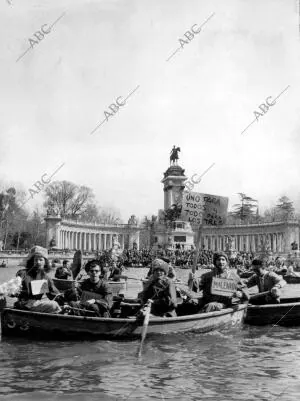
(223, 286)
(203, 210)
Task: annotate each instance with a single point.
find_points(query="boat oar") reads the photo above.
(147, 311)
(133, 278)
(258, 295)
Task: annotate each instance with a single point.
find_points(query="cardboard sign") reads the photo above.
(87, 295)
(39, 287)
(204, 209)
(223, 286)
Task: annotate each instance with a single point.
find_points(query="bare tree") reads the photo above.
(69, 199)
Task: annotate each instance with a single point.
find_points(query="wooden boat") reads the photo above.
(245, 274)
(3, 264)
(292, 279)
(287, 313)
(20, 322)
(63, 285)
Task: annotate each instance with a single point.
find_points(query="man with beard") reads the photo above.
(212, 302)
(34, 277)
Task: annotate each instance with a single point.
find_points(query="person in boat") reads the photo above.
(93, 294)
(161, 290)
(269, 284)
(171, 271)
(116, 271)
(37, 266)
(290, 270)
(64, 272)
(211, 302)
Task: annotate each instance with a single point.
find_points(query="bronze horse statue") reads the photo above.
(174, 155)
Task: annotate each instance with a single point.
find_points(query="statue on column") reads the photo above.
(116, 250)
(132, 220)
(52, 243)
(174, 155)
(294, 246)
(229, 243)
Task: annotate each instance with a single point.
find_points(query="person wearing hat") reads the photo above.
(161, 290)
(171, 271)
(37, 266)
(211, 302)
(269, 284)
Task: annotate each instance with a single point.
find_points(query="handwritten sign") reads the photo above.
(39, 287)
(223, 286)
(209, 210)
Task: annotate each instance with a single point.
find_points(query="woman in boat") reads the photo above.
(212, 302)
(36, 269)
(161, 290)
(92, 294)
(269, 284)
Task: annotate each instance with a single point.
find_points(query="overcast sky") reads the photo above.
(201, 99)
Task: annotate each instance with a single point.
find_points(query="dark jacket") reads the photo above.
(28, 276)
(266, 282)
(162, 293)
(204, 283)
(63, 273)
(101, 288)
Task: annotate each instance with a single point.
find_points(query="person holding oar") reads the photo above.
(269, 284)
(161, 290)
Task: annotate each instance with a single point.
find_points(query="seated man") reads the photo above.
(268, 283)
(212, 302)
(64, 272)
(160, 290)
(93, 294)
(116, 272)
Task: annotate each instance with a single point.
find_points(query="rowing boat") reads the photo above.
(21, 322)
(287, 313)
(63, 285)
(292, 279)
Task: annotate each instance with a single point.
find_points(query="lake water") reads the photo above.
(255, 363)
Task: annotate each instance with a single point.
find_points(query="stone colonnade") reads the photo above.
(89, 237)
(275, 237)
(245, 243)
(88, 241)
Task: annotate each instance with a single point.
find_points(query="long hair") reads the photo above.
(30, 264)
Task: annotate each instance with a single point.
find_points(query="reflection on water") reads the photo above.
(256, 363)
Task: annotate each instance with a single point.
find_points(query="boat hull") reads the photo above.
(285, 314)
(19, 322)
(292, 279)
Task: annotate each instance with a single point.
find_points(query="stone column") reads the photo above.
(247, 243)
(83, 241)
